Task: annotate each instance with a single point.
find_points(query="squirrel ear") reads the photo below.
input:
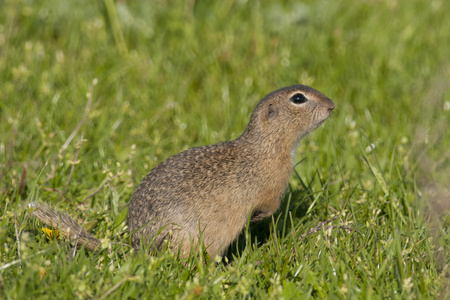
(272, 111)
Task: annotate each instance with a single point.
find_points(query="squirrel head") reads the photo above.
(288, 114)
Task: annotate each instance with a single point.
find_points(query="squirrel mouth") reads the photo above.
(323, 120)
(320, 123)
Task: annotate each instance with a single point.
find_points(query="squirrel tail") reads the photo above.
(68, 227)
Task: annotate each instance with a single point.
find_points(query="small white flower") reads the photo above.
(370, 147)
(447, 105)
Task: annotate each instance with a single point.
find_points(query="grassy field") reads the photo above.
(94, 94)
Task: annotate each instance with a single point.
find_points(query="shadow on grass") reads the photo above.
(295, 204)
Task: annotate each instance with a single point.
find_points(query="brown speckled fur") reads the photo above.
(215, 188)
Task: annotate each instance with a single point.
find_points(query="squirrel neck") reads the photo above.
(269, 153)
(270, 143)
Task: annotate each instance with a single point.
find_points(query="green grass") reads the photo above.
(173, 75)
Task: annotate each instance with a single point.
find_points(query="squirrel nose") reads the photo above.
(331, 105)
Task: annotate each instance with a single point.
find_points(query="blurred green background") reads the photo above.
(139, 81)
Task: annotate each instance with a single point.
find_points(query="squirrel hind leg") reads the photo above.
(260, 215)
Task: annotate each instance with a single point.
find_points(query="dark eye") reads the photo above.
(298, 98)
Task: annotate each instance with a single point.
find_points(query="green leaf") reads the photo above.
(121, 217)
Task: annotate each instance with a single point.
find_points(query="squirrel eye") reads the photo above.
(298, 98)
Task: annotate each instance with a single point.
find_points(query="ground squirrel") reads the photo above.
(213, 190)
